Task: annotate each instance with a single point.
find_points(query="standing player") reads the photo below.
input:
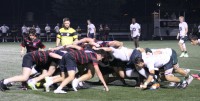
(106, 33)
(38, 31)
(91, 30)
(183, 29)
(24, 30)
(32, 43)
(66, 35)
(135, 32)
(48, 32)
(4, 29)
(57, 28)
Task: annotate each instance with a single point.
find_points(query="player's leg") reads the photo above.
(71, 76)
(90, 73)
(45, 73)
(26, 72)
(179, 70)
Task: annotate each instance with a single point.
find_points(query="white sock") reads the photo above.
(59, 88)
(50, 82)
(32, 80)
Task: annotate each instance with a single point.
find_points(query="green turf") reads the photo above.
(10, 65)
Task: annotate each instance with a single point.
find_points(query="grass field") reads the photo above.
(10, 65)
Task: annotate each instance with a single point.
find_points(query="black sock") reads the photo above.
(185, 51)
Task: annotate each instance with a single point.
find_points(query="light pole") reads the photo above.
(159, 4)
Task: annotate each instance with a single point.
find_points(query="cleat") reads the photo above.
(32, 85)
(172, 84)
(182, 54)
(59, 91)
(186, 55)
(195, 75)
(189, 79)
(46, 87)
(182, 85)
(3, 86)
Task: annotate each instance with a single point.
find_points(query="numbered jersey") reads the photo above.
(182, 29)
(91, 28)
(135, 29)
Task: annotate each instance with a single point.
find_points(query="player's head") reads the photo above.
(58, 24)
(89, 21)
(139, 62)
(181, 19)
(66, 23)
(194, 40)
(133, 20)
(101, 54)
(47, 24)
(32, 33)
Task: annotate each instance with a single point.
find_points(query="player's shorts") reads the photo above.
(68, 63)
(183, 39)
(27, 61)
(135, 37)
(91, 35)
(168, 68)
(174, 57)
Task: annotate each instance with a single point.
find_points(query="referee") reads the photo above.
(66, 35)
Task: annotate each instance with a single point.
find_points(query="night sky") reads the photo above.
(14, 11)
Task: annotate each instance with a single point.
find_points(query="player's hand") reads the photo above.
(106, 89)
(143, 86)
(22, 53)
(177, 37)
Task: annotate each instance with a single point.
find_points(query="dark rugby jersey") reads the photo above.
(40, 57)
(32, 45)
(84, 56)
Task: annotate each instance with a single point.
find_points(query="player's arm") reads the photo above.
(74, 46)
(99, 74)
(177, 37)
(131, 30)
(186, 30)
(58, 40)
(149, 79)
(94, 32)
(107, 49)
(87, 30)
(42, 46)
(117, 44)
(54, 55)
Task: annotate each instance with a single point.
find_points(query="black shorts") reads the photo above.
(169, 65)
(174, 57)
(27, 61)
(67, 63)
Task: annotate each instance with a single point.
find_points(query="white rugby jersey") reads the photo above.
(47, 29)
(91, 28)
(167, 51)
(155, 61)
(182, 28)
(38, 30)
(4, 29)
(121, 53)
(135, 29)
(24, 29)
(57, 29)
